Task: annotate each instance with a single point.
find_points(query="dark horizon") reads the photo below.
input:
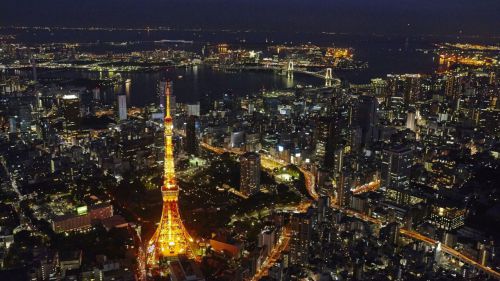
(424, 17)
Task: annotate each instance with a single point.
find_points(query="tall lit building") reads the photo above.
(33, 66)
(327, 138)
(367, 118)
(411, 120)
(447, 217)
(343, 189)
(71, 111)
(411, 88)
(267, 239)
(12, 125)
(171, 238)
(406, 86)
(122, 107)
(191, 143)
(396, 167)
(250, 173)
(379, 87)
(454, 85)
(301, 230)
(193, 109)
(397, 109)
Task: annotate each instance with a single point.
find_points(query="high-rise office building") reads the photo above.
(327, 137)
(193, 109)
(367, 118)
(71, 111)
(324, 205)
(321, 135)
(12, 125)
(96, 94)
(411, 120)
(396, 109)
(343, 188)
(33, 66)
(25, 117)
(454, 85)
(447, 217)
(390, 233)
(267, 239)
(379, 87)
(406, 86)
(191, 143)
(250, 173)
(396, 167)
(301, 229)
(122, 107)
(411, 88)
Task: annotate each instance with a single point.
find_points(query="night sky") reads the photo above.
(443, 17)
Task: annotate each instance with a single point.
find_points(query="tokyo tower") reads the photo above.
(171, 238)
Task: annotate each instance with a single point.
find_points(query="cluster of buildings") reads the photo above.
(396, 174)
(85, 217)
(228, 57)
(404, 150)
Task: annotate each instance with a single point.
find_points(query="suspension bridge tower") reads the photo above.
(328, 77)
(289, 70)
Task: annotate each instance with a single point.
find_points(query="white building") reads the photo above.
(122, 107)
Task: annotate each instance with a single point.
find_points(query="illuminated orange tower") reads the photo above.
(171, 238)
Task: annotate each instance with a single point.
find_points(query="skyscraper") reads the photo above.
(301, 226)
(250, 173)
(367, 118)
(343, 189)
(191, 144)
(327, 138)
(454, 85)
(12, 125)
(193, 109)
(411, 88)
(411, 119)
(396, 167)
(71, 111)
(267, 239)
(33, 65)
(492, 78)
(122, 107)
(324, 205)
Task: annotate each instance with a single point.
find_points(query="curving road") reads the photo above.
(450, 251)
(284, 240)
(371, 186)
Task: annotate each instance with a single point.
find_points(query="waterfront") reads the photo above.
(190, 84)
(383, 54)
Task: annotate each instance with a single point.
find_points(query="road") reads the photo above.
(371, 186)
(310, 183)
(417, 236)
(456, 254)
(284, 240)
(25, 220)
(358, 215)
(267, 162)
